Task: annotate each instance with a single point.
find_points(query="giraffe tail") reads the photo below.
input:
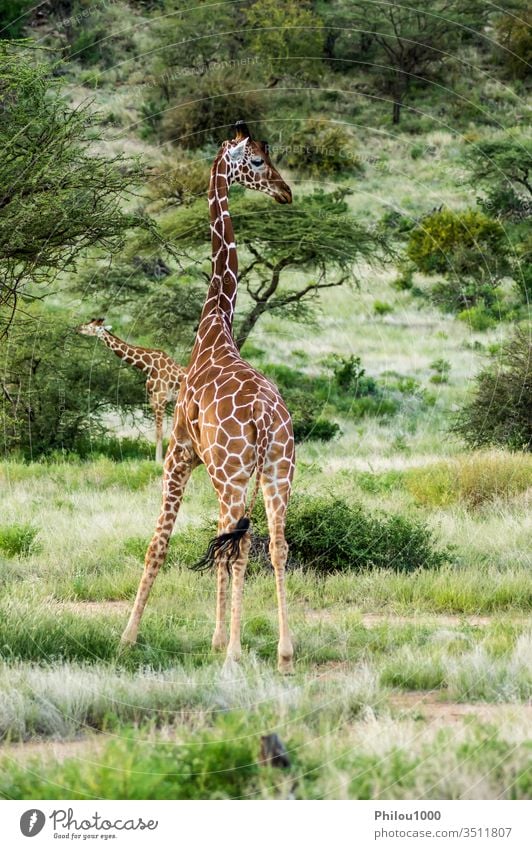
(228, 544)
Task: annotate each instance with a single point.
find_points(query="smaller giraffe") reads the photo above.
(164, 375)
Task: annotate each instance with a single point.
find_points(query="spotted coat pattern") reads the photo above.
(228, 416)
(164, 375)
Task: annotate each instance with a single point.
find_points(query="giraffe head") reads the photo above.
(94, 327)
(251, 166)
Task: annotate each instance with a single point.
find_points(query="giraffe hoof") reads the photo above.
(219, 643)
(286, 666)
(126, 642)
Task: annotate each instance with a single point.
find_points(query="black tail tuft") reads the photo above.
(225, 544)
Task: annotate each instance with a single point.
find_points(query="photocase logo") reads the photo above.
(32, 822)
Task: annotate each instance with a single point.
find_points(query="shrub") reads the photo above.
(442, 369)
(499, 411)
(514, 36)
(179, 182)
(58, 386)
(478, 318)
(17, 540)
(471, 479)
(320, 148)
(330, 535)
(308, 423)
(350, 376)
(14, 17)
(468, 248)
(382, 308)
(288, 37)
(208, 114)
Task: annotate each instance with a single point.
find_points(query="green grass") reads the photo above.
(221, 762)
(17, 540)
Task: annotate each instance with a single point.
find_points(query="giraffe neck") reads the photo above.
(130, 354)
(221, 296)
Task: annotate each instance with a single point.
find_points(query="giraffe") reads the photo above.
(164, 375)
(231, 418)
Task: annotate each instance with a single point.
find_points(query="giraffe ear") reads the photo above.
(237, 152)
(107, 326)
(241, 131)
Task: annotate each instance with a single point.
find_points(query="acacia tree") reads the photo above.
(404, 42)
(316, 236)
(57, 197)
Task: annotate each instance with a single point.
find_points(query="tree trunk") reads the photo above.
(248, 323)
(396, 111)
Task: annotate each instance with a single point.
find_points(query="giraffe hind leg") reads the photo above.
(180, 461)
(276, 500)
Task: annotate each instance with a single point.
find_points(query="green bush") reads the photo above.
(382, 308)
(514, 42)
(499, 411)
(320, 148)
(307, 421)
(330, 535)
(478, 318)
(179, 180)
(58, 386)
(208, 113)
(469, 249)
(17, 540)
(14, 18)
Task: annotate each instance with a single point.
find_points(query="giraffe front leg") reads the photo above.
(158, 409)
(178, 466)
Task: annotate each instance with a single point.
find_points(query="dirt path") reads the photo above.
(432, 708)
(443, 620)
(368, 620)
(84, 748)
(92, 608)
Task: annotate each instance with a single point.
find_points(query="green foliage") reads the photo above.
(57, 386)
(275, 239)
(320, 148)
(404, 46)
(502, 168)
(499, 410)
(179, 180)
(382, 308)
(304, 401)
(287, 37)
(208, 113)
(96, 35)
(441, 369)
(17, 540)
(350, 376)
(330, 535)
(309, 423)
(514, 38)
(478, 318)
(14, 17)
(467, 247)
(58, 196)
(436, 245)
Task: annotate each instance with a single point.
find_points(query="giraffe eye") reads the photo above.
(257, 161)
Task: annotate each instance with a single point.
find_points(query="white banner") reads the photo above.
(267, 825)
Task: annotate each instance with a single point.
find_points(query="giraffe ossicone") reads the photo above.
(230, 418)
(163, 373)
